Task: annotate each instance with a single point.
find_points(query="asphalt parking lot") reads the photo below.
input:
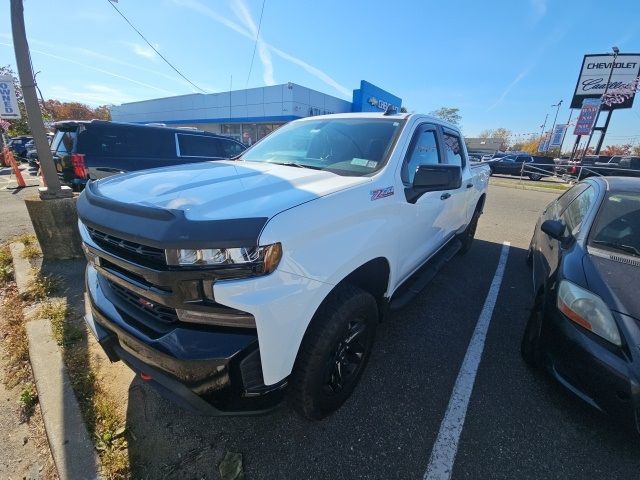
(518, 424)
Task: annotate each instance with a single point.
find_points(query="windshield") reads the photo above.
(352, 147)
(617, 227)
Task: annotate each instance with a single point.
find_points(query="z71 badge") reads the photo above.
(381, 193)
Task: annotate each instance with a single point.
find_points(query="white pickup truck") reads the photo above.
(230, 284)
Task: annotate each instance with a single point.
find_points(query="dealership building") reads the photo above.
(248, 115)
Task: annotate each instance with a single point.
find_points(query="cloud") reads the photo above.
(316, 72)
(539, 8)
(100, 70)
(91, 94)
(506, 91)
(141, 50)
(242, 12)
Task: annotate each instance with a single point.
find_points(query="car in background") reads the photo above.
(568, 166)
(584, 327)
(90, 150)
(32, 153)
(626, 166)
(18, 145)
(523, 164)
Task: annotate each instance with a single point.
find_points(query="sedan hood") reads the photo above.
(221, 190)
(614, 280)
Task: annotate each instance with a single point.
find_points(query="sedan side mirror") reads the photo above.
(434, 178)
(554, 228)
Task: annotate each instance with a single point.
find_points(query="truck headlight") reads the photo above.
(268, 256)
(587, 310)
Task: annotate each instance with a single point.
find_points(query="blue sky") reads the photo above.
(503, 63)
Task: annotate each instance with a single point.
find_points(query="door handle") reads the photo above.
(444, 196)
(469, 185)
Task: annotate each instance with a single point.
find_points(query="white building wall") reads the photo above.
(246, 105)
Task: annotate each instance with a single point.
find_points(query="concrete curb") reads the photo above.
(69, 441)
(526, 187)
(23, 272)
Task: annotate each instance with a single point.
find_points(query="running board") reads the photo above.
(419, 280)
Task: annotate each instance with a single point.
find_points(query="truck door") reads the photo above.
(457, 206)
(423, 223)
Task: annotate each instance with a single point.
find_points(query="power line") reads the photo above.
(152, 47)
(255, 45)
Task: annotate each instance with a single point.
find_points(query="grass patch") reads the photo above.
(27, 239)
(31, 251)
(6, 265)
(16, 344)
(27, 401)
(57, 311)
(42, 287)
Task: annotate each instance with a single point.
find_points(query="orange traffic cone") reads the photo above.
(14, 166)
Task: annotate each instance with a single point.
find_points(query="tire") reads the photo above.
(530, 345)
(535, 177)
(334, 352)
(469, 234)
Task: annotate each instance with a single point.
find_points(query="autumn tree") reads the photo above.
(611, 150)
(75, 111)
(449, 114)
(499, 133)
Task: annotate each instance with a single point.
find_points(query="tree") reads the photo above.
(612, 150)
(500, 133)
(75, 111)
(450, 114)
(636, 150)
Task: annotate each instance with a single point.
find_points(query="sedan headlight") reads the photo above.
(266, 257)
(587, 310)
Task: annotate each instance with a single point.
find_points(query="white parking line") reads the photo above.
(445, 448)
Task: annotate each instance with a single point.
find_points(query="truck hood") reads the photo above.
(219, 190)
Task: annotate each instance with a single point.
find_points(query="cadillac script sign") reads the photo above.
(595, 73)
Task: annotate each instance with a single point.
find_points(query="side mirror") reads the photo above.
(434, 178)
(554, 228)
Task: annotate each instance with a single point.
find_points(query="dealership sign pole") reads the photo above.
(600, 74)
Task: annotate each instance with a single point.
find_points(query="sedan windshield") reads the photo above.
(351, 147)
(617, 227)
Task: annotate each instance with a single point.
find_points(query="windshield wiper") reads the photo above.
(617, 246)
(296, 164)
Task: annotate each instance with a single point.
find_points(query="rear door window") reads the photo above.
(199, 146)
(63, 142)
(453, 149)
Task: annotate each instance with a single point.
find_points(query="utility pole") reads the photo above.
(603, 129)
(34, 115)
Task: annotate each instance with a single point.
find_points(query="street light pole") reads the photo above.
(34, 115)
(556, 117)
(544, 125)
(616, 51)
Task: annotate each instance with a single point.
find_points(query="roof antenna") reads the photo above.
(391, 110)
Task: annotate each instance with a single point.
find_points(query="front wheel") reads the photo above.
(530, 344)
(334, 352)
(535, 176)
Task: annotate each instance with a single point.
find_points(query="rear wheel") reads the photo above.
(535, 176)
(334, 352)
(470, 233)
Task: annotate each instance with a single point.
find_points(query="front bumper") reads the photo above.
(206, 369)
(607, 378)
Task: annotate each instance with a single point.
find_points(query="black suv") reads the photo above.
(89, 150)
(523, 164)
